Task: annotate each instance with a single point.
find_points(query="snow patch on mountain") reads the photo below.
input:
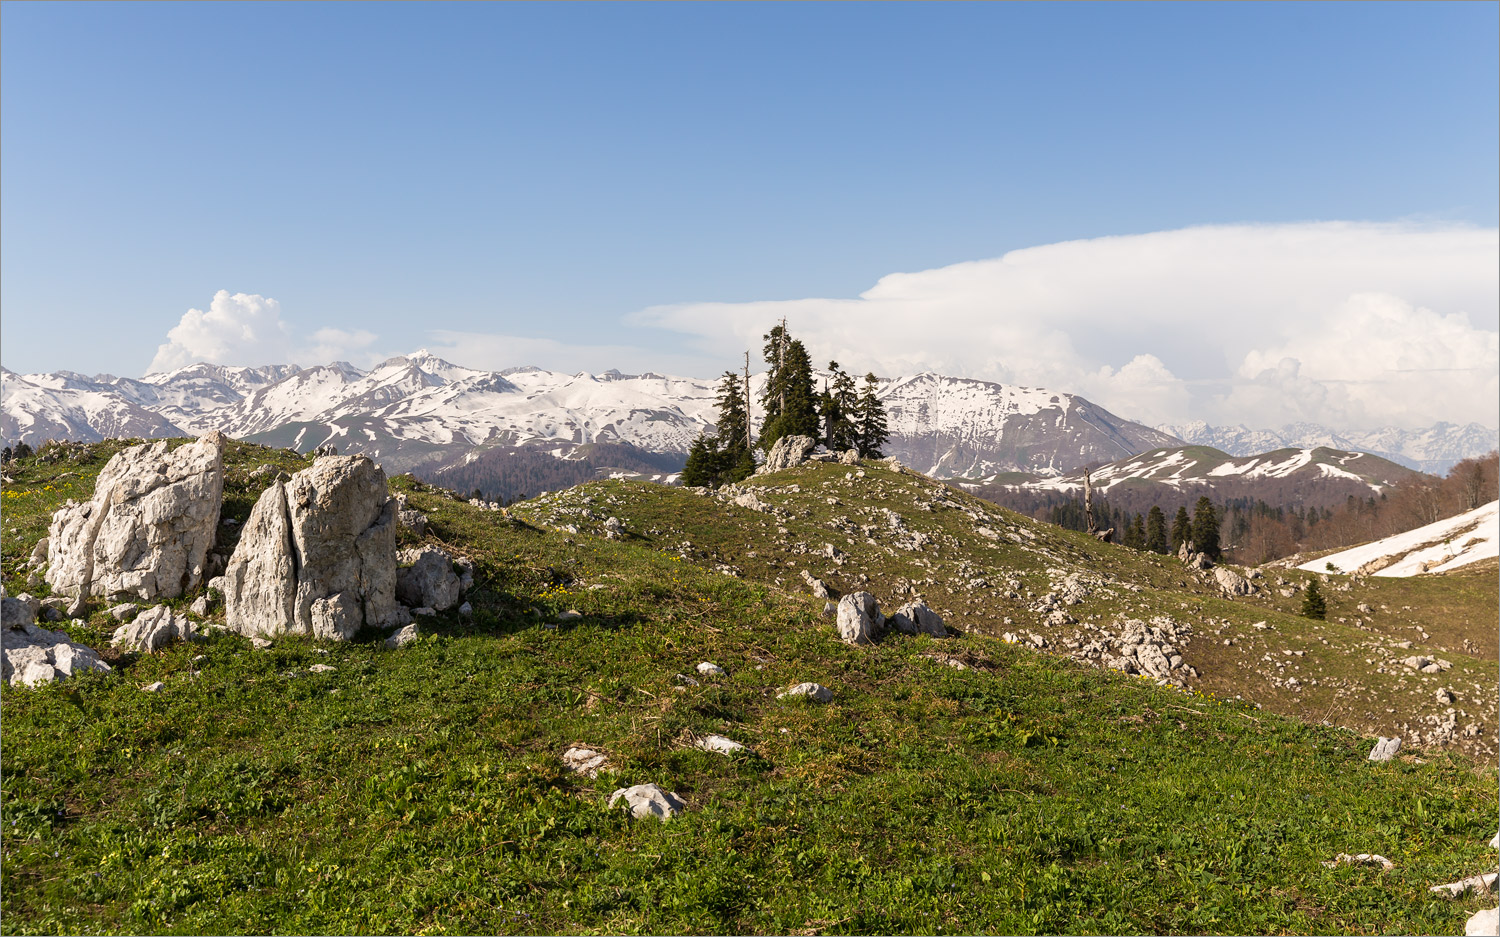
(1435, 449)
(1436, 548)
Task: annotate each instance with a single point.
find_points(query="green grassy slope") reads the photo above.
(421, 789)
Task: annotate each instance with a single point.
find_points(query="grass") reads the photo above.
(421, 790)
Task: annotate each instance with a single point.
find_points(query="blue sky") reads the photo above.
(520, 182)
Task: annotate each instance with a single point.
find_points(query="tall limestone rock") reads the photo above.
(148, 529)
(317, 555)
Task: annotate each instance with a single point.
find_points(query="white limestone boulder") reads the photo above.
(317, 555)
(648, 800)
(152, 630)
(149, 527)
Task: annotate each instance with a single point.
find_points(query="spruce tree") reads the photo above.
(870, 420)
(1205, 528)
(838, 406)
(1138, 532)
(1131, 538)
(702, 462)
(789, 396)
(733, 421)
(1182, 528)
(1156, 530)
(1313, 605)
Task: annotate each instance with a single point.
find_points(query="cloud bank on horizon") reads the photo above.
(1348, 324)
(1353, 325)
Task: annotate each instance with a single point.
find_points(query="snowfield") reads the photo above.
(1437, 548)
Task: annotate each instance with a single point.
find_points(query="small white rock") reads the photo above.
(813, 691)
(321, 668)
(424, 611)
(585, 761)
(570, 615)
(259, 642)
(154, 687)
(710, 670)
(1483, 922)
(402, 638)
(719, 744)
(648, 800)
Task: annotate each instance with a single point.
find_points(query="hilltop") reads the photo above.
(968, 783)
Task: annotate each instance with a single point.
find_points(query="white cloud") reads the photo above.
(496, 352)
(247, 329)
(1373, 320)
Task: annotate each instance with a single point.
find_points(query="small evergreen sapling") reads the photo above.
(1313, 605)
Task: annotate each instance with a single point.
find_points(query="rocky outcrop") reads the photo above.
(148, 529)
(1385, 749)
(786, 452)
(30, 655)
(153, 630)
(917, 618)
(859, 620)
(317, 555)
(1231, 582)
(426, 579)
(1193, 560)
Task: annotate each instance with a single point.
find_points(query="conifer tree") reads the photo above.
(1182, 528)
(789, 397)
(838, 405)
(1313, 605)
(702, 462)
(870, 420)
(1205, 534)
(733, 422)
(1138, 532)
(1131, 538)
(1156, 530)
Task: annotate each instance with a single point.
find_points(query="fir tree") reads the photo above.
(1182, 528)
(789, 396)
(1156, 530)
(870, 420)
(1313, 605)
(733, 422)
(1138, 532)
(1131, 538)
(838, 405)
(702, 466)
(1205, 533)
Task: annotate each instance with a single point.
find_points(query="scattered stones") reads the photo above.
(685, 680)
(719, 744)
(710, 670)
(322, 668)
(402, 638)
(156, 687)
(426, 578)
(917, 618)
(1444, 697)
(750, 501)
(199, 606)
(813, 691)
(648, 800)
(859, 618)
(153, 630)
(31, 655)
(317, 555)
(788, 451)
(1364, 858)
(1385, 749)
(819, 590)
(585, 761)
(148, 528)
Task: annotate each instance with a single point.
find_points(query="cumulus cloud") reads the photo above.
(247, 329)
(1351, 324)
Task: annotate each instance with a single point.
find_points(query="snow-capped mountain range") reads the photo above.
(1434, 450)
(419, 411)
